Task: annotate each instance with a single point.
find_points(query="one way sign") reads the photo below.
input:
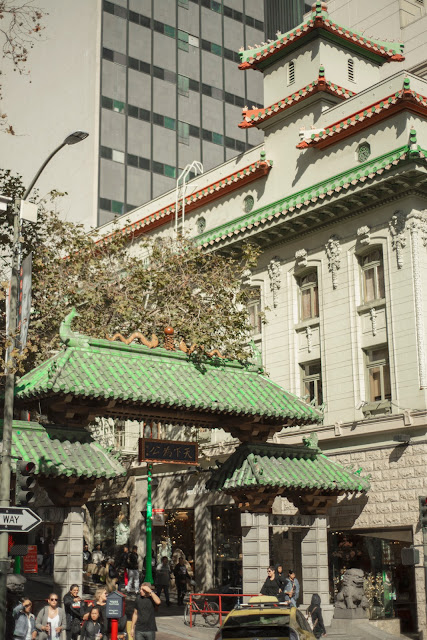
(18, 519)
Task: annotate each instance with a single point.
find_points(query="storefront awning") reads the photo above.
(60, 451)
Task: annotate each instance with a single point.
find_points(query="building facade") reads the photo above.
(336, 199)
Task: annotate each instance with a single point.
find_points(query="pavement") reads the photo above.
(170, 620)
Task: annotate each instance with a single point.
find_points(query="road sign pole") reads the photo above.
(6, 455)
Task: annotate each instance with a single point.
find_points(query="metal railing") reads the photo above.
(195, 610)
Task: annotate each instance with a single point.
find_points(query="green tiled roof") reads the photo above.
(282, 208)
(279, 466)
(60, 451)
(90, 368)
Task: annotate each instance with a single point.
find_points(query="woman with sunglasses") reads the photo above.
(51, 620)
(25, 623)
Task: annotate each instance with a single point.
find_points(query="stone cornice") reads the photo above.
(260, 57)
(405, 99)
(283, 209)
(213, 191)
(254, 117)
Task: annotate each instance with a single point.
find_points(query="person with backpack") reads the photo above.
(315, 616)
(133, 572)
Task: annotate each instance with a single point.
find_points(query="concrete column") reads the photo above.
(255, 548)
(203, 560)
(68, 567)
(314, 555)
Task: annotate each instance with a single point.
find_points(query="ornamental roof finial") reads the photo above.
(318, 7)
(169, 342)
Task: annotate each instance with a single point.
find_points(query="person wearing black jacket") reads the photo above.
(271, 586)
(92, 628)
(315, 611)
(280, 576)
(74, 610)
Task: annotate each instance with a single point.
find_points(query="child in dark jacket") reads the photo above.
(92, 628)
(316, 616)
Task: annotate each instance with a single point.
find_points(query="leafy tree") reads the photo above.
(125, 284)
(20, 25)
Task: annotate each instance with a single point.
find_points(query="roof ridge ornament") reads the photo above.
(69, 337)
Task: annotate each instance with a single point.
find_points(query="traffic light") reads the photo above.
(25, 483)
(410, 556)
(422, 501)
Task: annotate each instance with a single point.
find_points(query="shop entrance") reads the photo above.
(227, 547)
(175, 538)
(389, 585)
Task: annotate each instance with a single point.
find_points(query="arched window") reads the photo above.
(350, 69)
(291, 72)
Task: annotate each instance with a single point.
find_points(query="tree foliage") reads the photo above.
(127, 284)
(20, 25)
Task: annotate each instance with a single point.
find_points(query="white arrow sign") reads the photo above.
(18, 519)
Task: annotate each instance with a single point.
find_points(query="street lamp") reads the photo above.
(6, 454)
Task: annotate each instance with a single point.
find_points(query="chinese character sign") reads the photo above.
(174, 451)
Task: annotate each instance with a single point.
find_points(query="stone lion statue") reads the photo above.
(352, 594)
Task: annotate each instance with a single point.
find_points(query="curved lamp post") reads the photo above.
(6, 454)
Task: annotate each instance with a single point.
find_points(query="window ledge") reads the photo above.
(311, 322)
(376, 408)
(377, 304)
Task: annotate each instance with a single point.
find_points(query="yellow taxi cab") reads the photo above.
(265, 618)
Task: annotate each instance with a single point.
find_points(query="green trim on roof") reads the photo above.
(140, 376)
(311, 194)
(61, 451)
(283, 467)
(308, 29)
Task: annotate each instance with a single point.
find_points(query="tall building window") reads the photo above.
(312, 382)
(309, 296)
(373, 276)
(378, 373)
(254, 312)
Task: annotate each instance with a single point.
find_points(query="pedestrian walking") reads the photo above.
(181, 577)
(143, 619)
(74, 611)
(315, 616)
(291, 589)
(163, 576)
(50, 620)
(122, 566)
(280, 576)
(271, 586)
(133, 571)
(87, 556)
(25, 622)
(92, 629)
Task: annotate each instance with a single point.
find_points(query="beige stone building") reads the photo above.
(336, 198)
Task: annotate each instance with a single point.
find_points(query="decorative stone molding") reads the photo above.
(363, 235)
(309, 336)
(417, 223)
(273, 269)
(373, 316)
(333, 251)
(398, 240)
(301, 258)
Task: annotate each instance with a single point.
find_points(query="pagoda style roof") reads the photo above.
(319, 23)
(92, 377)
(256, 473)
(213, 191)
(405, 99)
(255, 117)
(62, 451)
(314, 198)
(283, 467)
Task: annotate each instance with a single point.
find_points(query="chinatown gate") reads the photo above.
(149, 382)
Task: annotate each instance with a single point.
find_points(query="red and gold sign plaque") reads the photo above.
(172, 451)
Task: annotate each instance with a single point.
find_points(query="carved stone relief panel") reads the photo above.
(333, 250)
